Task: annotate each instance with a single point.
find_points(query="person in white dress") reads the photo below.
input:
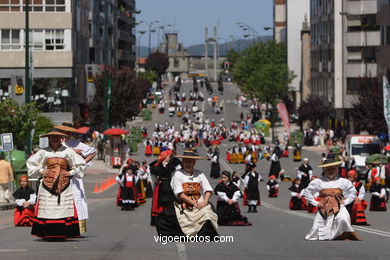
(88, 153)
(191, 214)
(332, 221)
(57, 165)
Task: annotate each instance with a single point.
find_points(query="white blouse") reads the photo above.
(349, 191)
(36, 164)
(181, 177)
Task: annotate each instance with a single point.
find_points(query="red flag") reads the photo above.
(284, 115)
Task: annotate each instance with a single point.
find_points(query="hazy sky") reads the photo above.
(192, 16)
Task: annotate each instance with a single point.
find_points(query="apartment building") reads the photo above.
(58, 40)
(298, 11)
(344, 36)
(383, 51)
(280, 20)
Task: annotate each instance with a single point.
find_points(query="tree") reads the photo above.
(313, 110)
(261, 71)
(367, 107)
(126, 95)
(149, 75)
(158, 62)
(18, 120)
(232, 57)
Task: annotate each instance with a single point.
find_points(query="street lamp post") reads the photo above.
(27, 70)
(272, 85)
(139, 49)
(150, 31)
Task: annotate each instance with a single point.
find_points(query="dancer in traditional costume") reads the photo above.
(156, 148)
(251, 184)
(141, 195)
(332, 221)
(88, 153)
(25, 199)
(228, 211)
(272, 187)
(215, 167)
(148, 148)
(275, 165)
(127, 179)
(162, 169)
(310, 207)
(305, 172)
(378, 198)
(191, 214)
(147, 179)
(357, 207)
(56, 216)
(297, 201)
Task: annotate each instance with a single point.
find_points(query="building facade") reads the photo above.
(383, 51)
(280, 20)
(297, 12)
(344, 36)
(65, 37)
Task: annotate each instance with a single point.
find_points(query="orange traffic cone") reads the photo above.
(96, 189)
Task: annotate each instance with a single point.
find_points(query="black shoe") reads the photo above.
(249, 209)
(254, 209)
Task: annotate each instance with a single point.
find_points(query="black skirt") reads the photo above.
(215, 170)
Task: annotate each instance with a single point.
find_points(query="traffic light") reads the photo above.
(19, 88)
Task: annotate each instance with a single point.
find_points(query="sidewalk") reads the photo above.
(7, 206)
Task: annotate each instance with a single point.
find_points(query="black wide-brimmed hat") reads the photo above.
(189, 154)
(329, 163)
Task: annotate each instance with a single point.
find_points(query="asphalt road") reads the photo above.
(277, 232)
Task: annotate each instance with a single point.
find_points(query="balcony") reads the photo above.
(357, 39)
(356, 70)
(129, 3)
(361, 7)
(124, 36)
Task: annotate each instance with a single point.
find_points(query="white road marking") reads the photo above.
(12, 250)
(182, 252)
(306, 215)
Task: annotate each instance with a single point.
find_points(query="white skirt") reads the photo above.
(48, 207)
(80, 199)
(331, 227)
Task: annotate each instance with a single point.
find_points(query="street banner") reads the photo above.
(386, 102)
(284, 115)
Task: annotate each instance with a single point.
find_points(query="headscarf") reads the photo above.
(162, 156)
(352, 173)
(23, 193)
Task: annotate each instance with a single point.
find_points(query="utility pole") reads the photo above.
(215, 53)
(27, 94)
(206, 47)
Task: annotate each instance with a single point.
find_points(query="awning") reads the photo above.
(83, 130)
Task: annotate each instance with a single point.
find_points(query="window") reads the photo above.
(176, 62)
(54, 39)
(9, 5)
(37, 39)
(10, 39)
(55, 5)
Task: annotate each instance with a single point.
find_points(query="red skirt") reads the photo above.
(377, 204)
(156, 209)
(358, 217)
(273, 194)
(298, 204)
(24, 217)
(245, 199)
(148, 150)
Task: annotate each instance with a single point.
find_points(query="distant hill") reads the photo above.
(198, 49)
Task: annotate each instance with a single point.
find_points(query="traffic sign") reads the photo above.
(7, 141)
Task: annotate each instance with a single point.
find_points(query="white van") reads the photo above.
(360, 147)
